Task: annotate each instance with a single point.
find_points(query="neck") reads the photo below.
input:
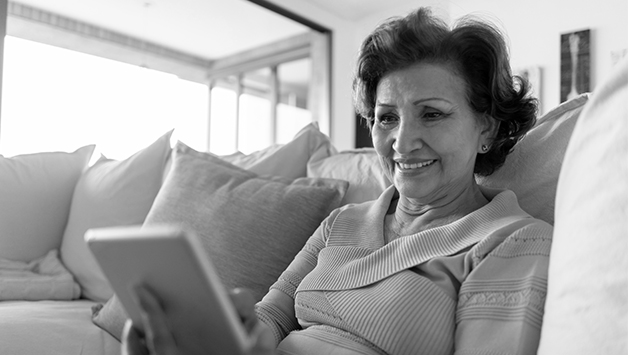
(412, 215)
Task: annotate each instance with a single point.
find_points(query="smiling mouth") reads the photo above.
(403, 166)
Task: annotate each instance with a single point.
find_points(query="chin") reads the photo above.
(412, 190)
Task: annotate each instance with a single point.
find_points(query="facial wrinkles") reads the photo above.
(409, 95)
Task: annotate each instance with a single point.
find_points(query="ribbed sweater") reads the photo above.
(474, 286)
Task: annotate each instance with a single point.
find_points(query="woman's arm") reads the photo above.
(500, 304)
(276, 309)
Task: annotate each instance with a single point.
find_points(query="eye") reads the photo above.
(386, 119)
(431, 114)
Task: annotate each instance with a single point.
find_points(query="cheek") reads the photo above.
(384, 149)
(380, 142)
(459, 149)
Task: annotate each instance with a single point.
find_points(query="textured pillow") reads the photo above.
(288, 160)
(110, 193)
(531, 170)
(251, 226)
(360, 167)
(586, 311)
(35, 194)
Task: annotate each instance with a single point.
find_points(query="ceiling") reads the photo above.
(209, 29)
(356, 9)
(206, 28)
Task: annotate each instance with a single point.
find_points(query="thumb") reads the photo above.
(244, 303)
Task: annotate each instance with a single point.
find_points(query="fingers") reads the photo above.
(159, 338)
(132, 341)
(245, 306)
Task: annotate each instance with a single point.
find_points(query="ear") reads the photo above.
(488, 126)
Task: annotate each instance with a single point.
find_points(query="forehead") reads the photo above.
(422, 81)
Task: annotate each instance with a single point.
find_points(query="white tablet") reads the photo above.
(171, 262)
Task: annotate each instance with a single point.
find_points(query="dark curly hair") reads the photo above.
(478, 52)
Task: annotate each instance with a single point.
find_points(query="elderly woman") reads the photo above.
(437, 264)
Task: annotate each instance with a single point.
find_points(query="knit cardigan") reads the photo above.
(474, 286)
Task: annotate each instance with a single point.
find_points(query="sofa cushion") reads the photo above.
(251, 226)
(52, 328)
(36, 193)
(288, 160)
(531, 170)
(586, 310)
(360, 167)
(110, 193)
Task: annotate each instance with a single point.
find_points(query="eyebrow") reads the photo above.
(417, 102)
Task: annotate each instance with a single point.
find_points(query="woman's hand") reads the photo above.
(158, 339)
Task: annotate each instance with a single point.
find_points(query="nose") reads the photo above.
(408, 137)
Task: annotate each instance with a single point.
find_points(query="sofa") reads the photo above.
(253, 212)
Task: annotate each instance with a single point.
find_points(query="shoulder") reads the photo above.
(508, 279)
(521, 252)
(532, 238)
(515, 233)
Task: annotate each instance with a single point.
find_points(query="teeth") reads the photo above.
(415, 166)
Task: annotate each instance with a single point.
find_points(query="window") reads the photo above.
(99, 90)
(272, 107)
(57, 99)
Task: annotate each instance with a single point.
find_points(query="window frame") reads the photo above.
(30, 23)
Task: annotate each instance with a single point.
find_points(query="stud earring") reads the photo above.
(484, 148)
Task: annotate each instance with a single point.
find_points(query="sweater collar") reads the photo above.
(356, 255)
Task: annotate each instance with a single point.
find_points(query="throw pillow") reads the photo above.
(36, 193)
(360, 167)
(531, 170)
(586, 310)
(251, 226)
(288, 160)
(110, 193)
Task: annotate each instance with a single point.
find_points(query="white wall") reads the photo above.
(534, 30)
(367, 24)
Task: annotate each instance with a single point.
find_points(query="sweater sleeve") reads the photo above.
(500, 304)
(276, 309)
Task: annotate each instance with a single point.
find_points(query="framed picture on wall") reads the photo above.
(575, 64)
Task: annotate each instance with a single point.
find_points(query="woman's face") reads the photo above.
(425, 132)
